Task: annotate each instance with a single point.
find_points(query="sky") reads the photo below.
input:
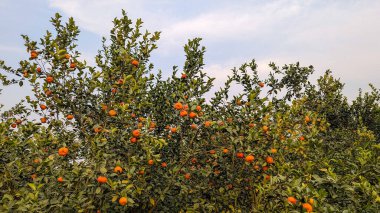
(340, 35)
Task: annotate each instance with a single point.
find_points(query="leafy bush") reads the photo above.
(114, 137)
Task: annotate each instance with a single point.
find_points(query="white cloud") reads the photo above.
(341, 35)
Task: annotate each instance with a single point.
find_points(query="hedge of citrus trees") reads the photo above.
(117, 138)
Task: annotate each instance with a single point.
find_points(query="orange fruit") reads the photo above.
(123, 201)
(187, 176)
(135, 62)
(183, 113)
(302, 138)
(18, 121)
(163, 164)
(38, 69)
(212, 152)
(307, 119)
(136, 133)
(194, 160)
(104, 107)
(33, 176)
(67, 56)
(269, 160)
(63, 151)
(265, 168)
(240, 155)
(13, 125)
(43, 120)
(69, 117)
(307, 207)
(251, 125)
(36, 160)
(178, 106)
(112, 112)
(133, 140)
(60, 179)
(173, 130)
(118, 169)
(150, 162)
(33, 54)
(311, 201)
(114, 90)
(265, 128)
(261, 84)
(267, 177)
(102, 179)
(194, 126)
(249, 158)
(198, 108)
(183, 76)
(73, 65)
(207, 123)
(49, 79)
(42, 106)
(273, 150)
(192, 115)
(225, 151)
(97, 129)
(292, 200)
(26, 74)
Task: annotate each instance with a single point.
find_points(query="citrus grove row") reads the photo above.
(117, 137)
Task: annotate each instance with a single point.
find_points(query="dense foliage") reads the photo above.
(115, 137)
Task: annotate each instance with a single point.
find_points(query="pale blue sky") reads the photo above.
(339, 35)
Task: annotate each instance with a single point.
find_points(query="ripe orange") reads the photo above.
(60, 179)
(118, 169)
(38, 69)
(265, 128)
(240, 155)
(311, 201)
(273, 150)
(69, 117)
(112, 112)
(102, 179)
(63, 151)
(18, 121)
(150, 162)
(163, 164)
(186, 107)
(13, 125)
(261, 84)
(187, 176)
(183, 76)
(104, 107)
(225, 151)
(307, 207)
(194, 126)
(133, 140)
(265, 168)
(269, 160)
(36, 161)
(194, 160)
(123, 201)
(173, 130)
(33, 176)
(33, 54)
(49, 79)
(183, 113)
(135, 62)
(114, 90)
(302, 138)
(48, 92)
(136, 133)
(178, 106)
(212, 152)
(198, 108)
(97, 129)
(249, 158)
(43, 120)
(67, 56)
(307, 119)
(73, 65)
(26, 74)
(192, 115)
(267, 177)
(292, 200)
(207, 123)
(251, 125)
(43, 107)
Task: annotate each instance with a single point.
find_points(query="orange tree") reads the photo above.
(116, 137)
